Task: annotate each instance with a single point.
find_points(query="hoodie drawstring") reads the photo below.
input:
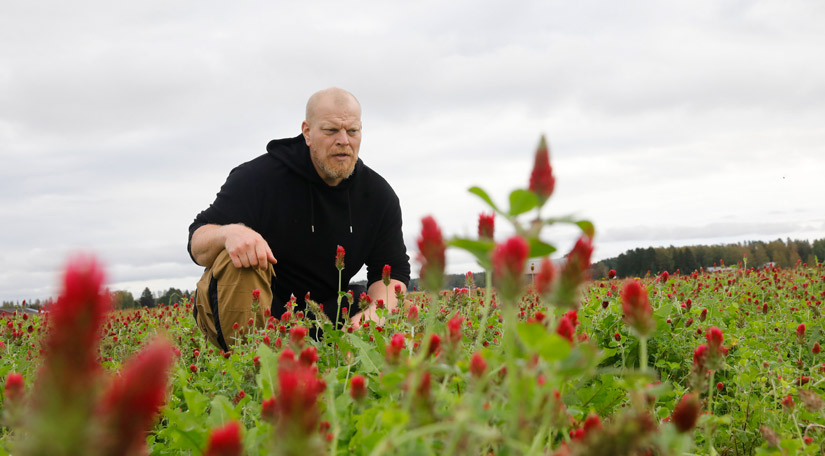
(312, 209)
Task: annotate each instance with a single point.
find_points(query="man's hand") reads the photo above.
(246, 247)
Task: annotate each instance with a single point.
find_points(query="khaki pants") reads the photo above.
(224, 298)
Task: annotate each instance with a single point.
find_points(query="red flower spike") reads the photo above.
(542, 181)
(477, 365)
(297, 335)
(788, 402)
(716, 352)
(435, 344)
(486, 226)
(636, 307)
(545, 277)
(256, 295)
(298, 391)
(574, 272)
(800, 333)
(566, 329)
(431, 255)
(225, 440)
(395, 346)
(611, 274)
(508, 267)
(15, 387)
(358, 388)
(816, 349)
(686, 413)
(339, 258)
(592, 423)
(268, 409)
(309, 356)
(385, 275)
(454, 329)
(134, 398)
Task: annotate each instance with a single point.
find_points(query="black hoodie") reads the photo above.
(281, 196)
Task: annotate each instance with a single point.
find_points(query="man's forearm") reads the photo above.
(207, 243)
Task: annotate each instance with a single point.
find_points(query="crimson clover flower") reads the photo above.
(545, 277)
(686, 413)
(611, 274)
(395, 346)
(574, 272)
(454, 329)
(431, 255)
(298, 391)
(134, 399)
(385, 275)
(800, 333)
(636, 307)
(508, 267)
(566, 328)
(15, 387)
(339, 258)
(542, 181)
(477, 365)
(486, 226)
(225, 440)
(716, 352)
(358, 387)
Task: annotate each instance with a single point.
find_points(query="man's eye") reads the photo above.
(352, 132)
(331, 130)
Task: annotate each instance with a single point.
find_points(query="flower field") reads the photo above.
(725, 362)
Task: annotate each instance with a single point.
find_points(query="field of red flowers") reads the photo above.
(684, 363)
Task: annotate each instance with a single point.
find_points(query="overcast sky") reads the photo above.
(679, 122)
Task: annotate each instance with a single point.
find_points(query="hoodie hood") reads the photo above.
(294, 153)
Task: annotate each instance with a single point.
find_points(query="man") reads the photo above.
(277, 221)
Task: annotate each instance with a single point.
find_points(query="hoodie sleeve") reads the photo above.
(389, 247)
(237, 202)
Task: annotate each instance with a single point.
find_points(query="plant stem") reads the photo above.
(487, 304)
(643, 354)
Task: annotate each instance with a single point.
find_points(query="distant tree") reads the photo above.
(778, 253)
(146, 298)
(818, 249)
(122, 299)
(171, 296)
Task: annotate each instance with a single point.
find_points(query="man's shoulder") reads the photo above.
(372, 179)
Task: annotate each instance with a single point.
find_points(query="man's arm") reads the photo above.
(245, 246)
(378, 291)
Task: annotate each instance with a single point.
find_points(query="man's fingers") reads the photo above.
(269, 256)
(262, 257)
(235, 260)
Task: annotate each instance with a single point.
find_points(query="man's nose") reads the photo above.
(343, 138)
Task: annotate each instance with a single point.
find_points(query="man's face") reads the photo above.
(333, 134)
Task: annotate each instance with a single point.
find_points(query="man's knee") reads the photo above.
(231, 301)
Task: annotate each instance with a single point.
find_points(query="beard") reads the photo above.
(334, 169)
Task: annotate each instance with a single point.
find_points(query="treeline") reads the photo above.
(122, 299)
(654, 260)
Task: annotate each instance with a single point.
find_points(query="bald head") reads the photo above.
(332, 97)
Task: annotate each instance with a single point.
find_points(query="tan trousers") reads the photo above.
(223, 301)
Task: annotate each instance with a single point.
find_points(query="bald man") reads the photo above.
(277, 221)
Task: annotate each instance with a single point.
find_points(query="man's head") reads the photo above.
(332, 130)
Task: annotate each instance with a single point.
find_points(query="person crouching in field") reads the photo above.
(278, 219)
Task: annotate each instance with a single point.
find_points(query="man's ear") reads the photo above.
(305, 131)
